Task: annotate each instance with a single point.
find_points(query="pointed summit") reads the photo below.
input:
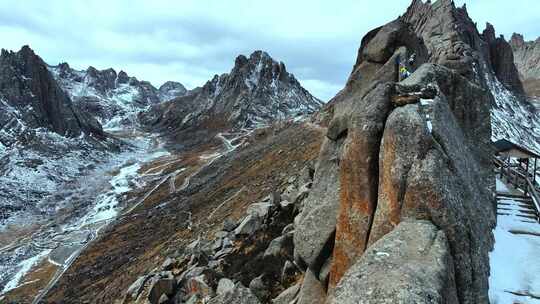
(257, 91)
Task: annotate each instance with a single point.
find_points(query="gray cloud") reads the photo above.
(190, 41)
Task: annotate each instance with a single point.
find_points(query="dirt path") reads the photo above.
(64, 267)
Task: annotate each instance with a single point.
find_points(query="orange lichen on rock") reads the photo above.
(358, 198)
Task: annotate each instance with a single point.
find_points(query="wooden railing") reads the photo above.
(520, 180)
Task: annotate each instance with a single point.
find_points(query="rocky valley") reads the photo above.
(250, 190)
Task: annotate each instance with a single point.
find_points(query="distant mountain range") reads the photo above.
(56, 116)
(113, 98)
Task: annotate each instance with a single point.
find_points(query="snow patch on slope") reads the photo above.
(512, 118)
(24, 267)
(514, 262)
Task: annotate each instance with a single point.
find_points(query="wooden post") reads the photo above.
(508, 169)
(534, 174)
(516, 182)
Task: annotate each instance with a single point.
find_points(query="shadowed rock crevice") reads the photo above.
(324, 256)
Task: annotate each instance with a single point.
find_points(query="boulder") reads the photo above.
(281, 246)
(250, 225)
(198, 285)
(239, 295)
(290, 193)
(229, 225)
(261, 209)
(164, 284)
(194, 299)
(388, 39)
(225, 286)
(259, 288)
(302, 193)
(163, 299)
(289, 272)
(168, 264)
(287, 229)
(411, 264)
(286, 205)
(136, 287)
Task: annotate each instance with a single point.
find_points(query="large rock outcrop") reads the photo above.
(416, 151)
(502, 60)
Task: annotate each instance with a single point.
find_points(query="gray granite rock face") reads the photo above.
(527, 60)
(312, 291)
(315, 226)
(425, 156)
(501, 57)
(239, 294)
(412, 264)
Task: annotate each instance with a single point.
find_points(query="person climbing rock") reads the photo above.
(403, 72)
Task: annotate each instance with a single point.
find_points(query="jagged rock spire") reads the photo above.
(32, 90)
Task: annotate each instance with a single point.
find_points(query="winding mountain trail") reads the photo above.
(229, 147)
(62, 245)
(64, 267)
(64, 251)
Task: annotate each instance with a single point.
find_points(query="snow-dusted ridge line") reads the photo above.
(514, 260)
(114, 99)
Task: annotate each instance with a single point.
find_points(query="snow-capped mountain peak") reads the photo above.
(114, 98)
(257, 91)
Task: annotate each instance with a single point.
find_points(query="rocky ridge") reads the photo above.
(114, 98)
(527, 60)
(257, 91)
(31, 99)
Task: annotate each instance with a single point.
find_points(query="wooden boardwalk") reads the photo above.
(520, 206)
(514, 263)
(522, 201)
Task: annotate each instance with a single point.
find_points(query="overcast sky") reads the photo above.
(190, 41)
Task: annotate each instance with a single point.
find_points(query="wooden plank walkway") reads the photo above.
(521, 207)
(523, 201)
